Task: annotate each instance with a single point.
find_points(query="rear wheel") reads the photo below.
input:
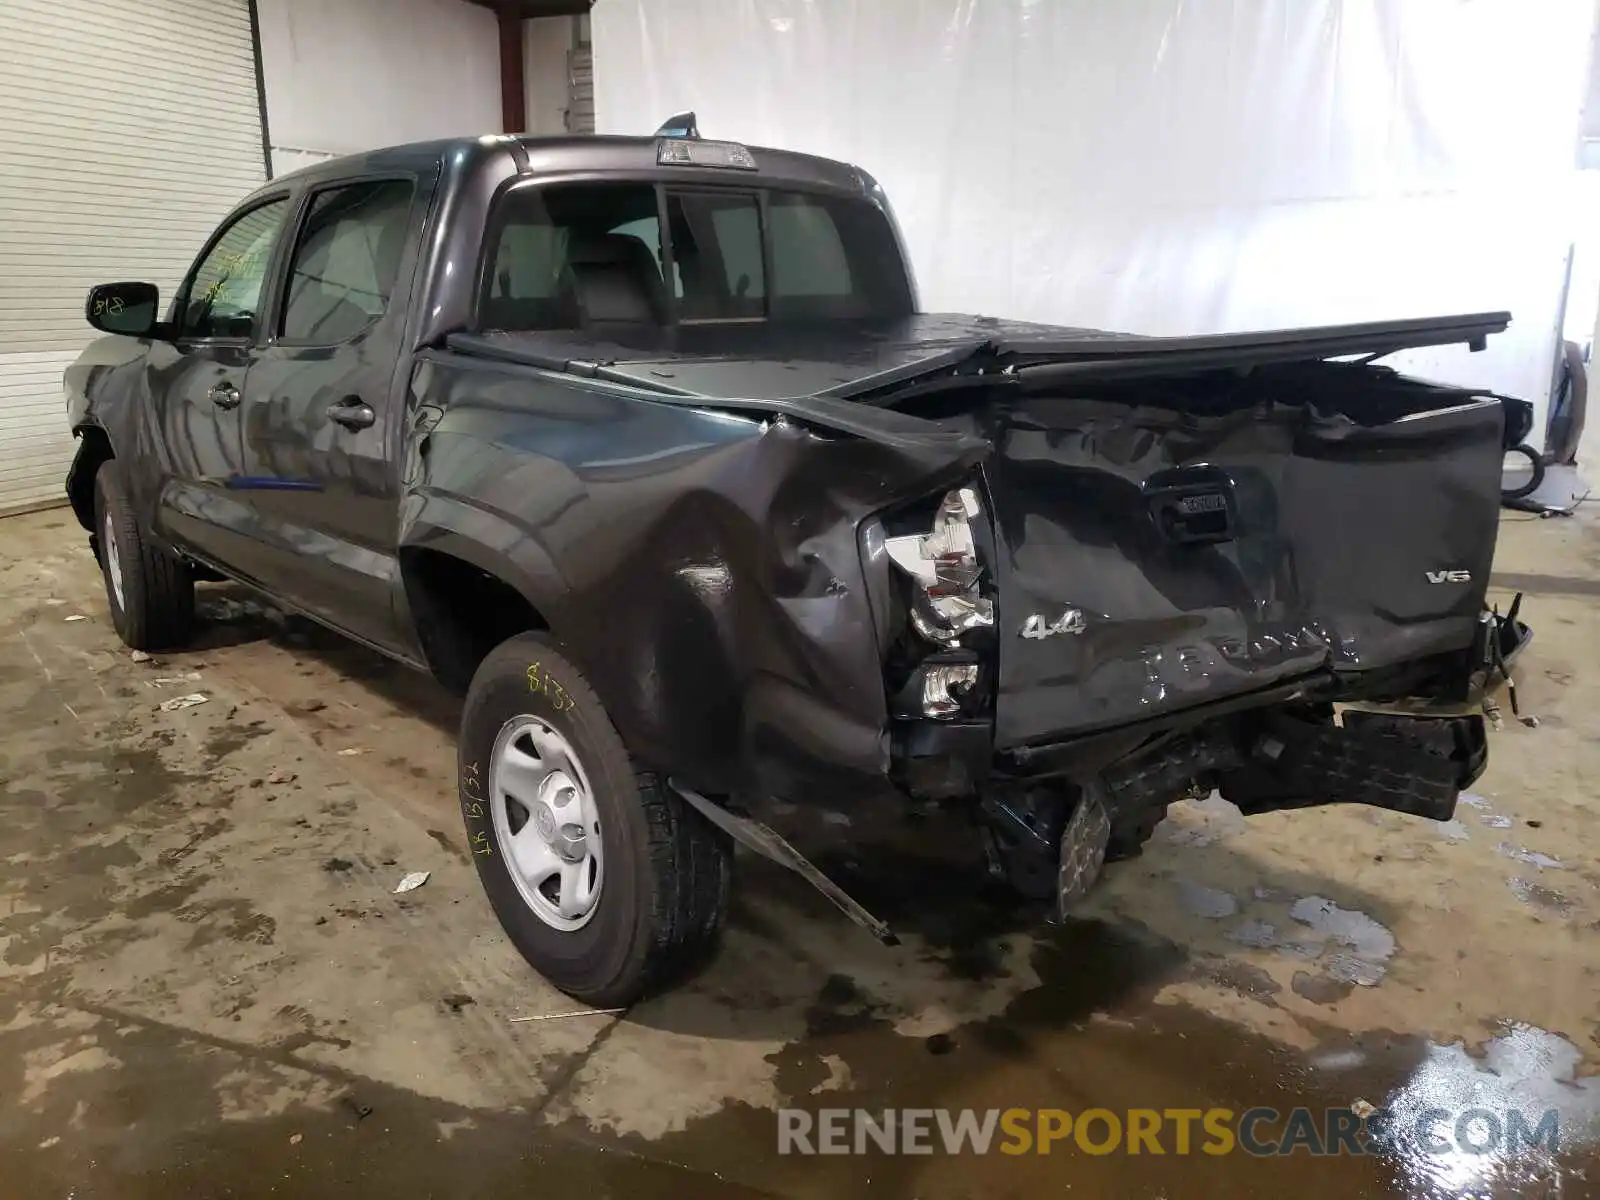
(604, 879)
(150, 591)
(1522, 472)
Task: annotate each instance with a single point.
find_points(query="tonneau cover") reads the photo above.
(856, 360)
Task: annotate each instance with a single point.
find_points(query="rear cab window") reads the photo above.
(576, 256)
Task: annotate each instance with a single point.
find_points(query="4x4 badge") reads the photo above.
(1071, 621)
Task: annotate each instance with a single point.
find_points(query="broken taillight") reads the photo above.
(943, 563)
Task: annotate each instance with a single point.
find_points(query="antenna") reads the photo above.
(682, 125)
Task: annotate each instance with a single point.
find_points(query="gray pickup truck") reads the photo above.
(645, 446)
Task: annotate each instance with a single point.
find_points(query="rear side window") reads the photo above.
(808, 255)
(583, 255)
(568, 257)
(529, 262)
(346, 260)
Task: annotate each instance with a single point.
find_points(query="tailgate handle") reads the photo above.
(1192, 505)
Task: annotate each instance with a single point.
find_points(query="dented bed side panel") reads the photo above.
(702, 565)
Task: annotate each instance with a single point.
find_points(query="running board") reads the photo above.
(766, 842)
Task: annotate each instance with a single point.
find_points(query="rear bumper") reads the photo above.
(1430, 708)
(1407, 764)
(1456, 683)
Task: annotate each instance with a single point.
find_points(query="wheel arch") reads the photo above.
(93, 452)
(466, 595)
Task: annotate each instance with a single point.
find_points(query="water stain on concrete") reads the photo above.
(1320, 989)
(1365, 945)
(1532, 857)
(120, 777)
(1247, 979)
(1355, 929)
(1201, 822)
(1540, 896)
(449, 845)
(165, 899)
(1261, 935)
(1211, 903)
(233, 920)
(233, 736)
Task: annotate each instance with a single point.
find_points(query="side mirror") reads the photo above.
(126, 308)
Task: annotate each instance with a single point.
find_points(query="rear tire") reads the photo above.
(546, 786)
(149, 590)
(1535, 473)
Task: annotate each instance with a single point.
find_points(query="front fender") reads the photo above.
(105, 389)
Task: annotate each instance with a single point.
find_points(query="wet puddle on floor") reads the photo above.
(1504, 1120)
(1067, 1068)
(1376, 1114)
(1511, 1116)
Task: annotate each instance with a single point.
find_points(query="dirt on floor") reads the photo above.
(209, 987)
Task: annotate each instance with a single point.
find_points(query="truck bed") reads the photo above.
(1199, 518)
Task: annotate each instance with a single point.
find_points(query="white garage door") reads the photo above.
(127, 129)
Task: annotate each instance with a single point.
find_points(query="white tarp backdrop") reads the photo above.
(1167, 166)
(349, 76)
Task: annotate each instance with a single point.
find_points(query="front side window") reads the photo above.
(225, 294)
(579, 256)
(346, 260)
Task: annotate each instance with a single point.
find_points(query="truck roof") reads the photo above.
(592, 155)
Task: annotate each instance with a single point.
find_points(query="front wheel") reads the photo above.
(150, 591)
(604, 879)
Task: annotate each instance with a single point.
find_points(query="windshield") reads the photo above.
(580, 255)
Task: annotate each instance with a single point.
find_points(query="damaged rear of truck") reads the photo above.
(1064, 578)
(644, 445)
(808, 543)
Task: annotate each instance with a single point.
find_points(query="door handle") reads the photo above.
(224, 395)
(353, 413)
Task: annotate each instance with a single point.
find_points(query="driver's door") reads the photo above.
(196, 385)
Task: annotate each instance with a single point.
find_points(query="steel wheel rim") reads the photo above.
(114, 563)
(546, 823)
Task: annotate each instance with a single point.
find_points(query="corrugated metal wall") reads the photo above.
(127, 129)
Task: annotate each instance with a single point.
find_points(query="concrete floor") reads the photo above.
(207, 987)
